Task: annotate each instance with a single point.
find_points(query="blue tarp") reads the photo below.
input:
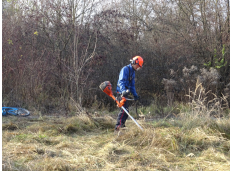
(14, 111)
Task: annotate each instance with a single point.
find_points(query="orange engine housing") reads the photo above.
(106, 87)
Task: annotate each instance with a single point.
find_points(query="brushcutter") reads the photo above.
(106, 87)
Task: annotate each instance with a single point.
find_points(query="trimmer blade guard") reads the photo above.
(106, 87)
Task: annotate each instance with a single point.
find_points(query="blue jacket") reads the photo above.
(124, 83)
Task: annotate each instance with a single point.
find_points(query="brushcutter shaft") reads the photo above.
(132, 118)
(130, 99)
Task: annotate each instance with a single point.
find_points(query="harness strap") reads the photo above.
(129, 77)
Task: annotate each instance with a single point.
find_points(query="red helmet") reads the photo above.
(137, 60)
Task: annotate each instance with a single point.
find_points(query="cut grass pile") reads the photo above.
(83, 143)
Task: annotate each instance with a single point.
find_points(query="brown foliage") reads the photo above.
(54, 51)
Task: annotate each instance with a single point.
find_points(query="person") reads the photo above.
(125, 86)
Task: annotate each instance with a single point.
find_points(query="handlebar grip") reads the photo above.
(121, 103)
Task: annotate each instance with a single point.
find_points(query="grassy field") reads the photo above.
(187, 142)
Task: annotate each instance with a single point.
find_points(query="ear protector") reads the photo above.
(134, 60)
(137, 60)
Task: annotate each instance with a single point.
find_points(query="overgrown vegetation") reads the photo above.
(56, 51)
(55, 55)
(163, 147)
(191, 140)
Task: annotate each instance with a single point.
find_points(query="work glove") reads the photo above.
(125, 93)
(137, 98)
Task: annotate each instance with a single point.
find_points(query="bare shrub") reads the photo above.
(169, 87)
(209, 79)
(189, 72)
(192, 79)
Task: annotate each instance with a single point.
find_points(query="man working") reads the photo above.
(125, 85)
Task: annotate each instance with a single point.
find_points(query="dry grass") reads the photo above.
(192, 141)
(83, 143)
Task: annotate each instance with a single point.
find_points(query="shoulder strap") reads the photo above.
(129, 76)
